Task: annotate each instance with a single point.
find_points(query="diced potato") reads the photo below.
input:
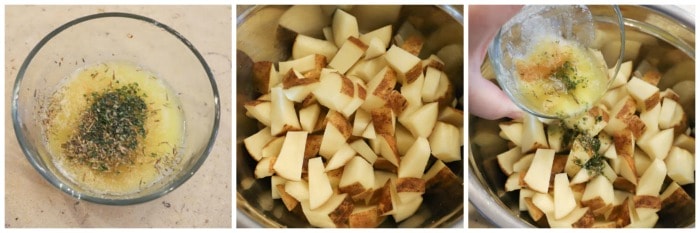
(383, 34)
(445, 142)
(538, 175)
(681, 166)
(306, 45)
(507, 159)
(407, 66)
(349, 53)
(256, 142)
(533, 136)
(344, 26)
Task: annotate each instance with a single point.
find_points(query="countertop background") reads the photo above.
(203, 201)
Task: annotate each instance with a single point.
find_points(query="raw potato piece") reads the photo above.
(335, 91)
(333, 140)
(538, 175)
(564, 201)
(260, 110)
(383, 34)
(681, 166)
(525, 193)
(513, 182)
(624, 146)
(289, 201)
(263, 168)
(362, 119)
(430, 84)
(544, 202)
(599, 193)
(659, 145)
(622, 75)
(305, 45)
(304, 19)
(416, 159)
(289, 161)
(297, 189)
(569, 220)
(296, 87)
(388, 150)
(523, 163)
(408, 66)
(646, 95)
(348, 54)
(384, 121)
(331, 214)
(344, 26)
(375, 49)
(341, 157)
(364, 217)
(379, 88)
(514, 132)
(319, 184)
(308, 117)
(422, 121)
(404, 139)
(256, 142)
(533, 136)
(272, 149)
(445, 142)
(303, 65)
(358, 177)
(284, 117)
(507, 159)
(361, 147)
(685, 142)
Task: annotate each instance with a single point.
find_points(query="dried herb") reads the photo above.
(594, 164)
(567, 75)
(110, 130)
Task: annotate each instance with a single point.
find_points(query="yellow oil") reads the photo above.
(157, 154)
(553, 95)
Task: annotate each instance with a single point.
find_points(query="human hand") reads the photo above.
(486, 100)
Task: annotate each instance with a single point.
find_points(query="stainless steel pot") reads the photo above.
(674, 28)
(258, 39)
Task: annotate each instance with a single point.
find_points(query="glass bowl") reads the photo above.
(259, 39)
(668, 37)
(108, 37)
(518, 37)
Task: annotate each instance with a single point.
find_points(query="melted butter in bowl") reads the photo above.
(560, 77)
(132, 152)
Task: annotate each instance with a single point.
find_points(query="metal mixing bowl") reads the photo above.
(675, 32)
(258, 39)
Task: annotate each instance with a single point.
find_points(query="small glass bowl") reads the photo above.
(573, 22)
(109, 37)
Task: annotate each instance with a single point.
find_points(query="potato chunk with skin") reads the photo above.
(445, 142)
(681, 166)
(407, 66)
(348, 54)
(537, 177)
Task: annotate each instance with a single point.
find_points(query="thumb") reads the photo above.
(488, 101)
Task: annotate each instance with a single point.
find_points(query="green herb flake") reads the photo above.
(110, 129)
